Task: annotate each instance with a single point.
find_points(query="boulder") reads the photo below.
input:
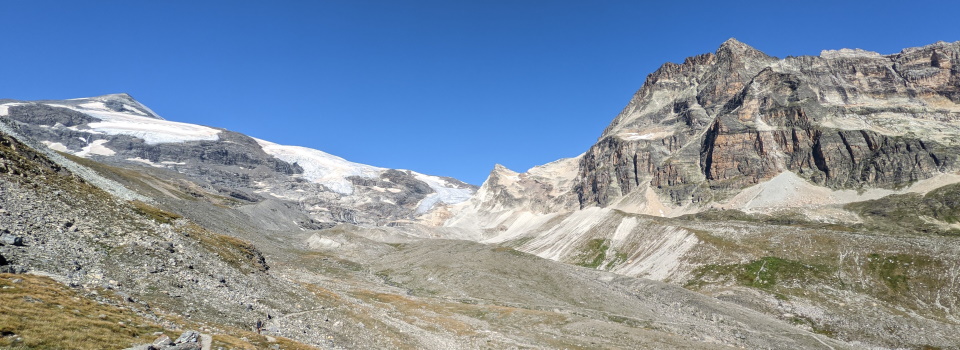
(188, 337)
(185, 346)
(10, 239)
(162, 341)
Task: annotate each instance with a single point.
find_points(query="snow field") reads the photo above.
(321, 167)
(153, 131)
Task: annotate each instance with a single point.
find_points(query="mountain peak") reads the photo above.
(735, 48)
(732, 41)
(118, 100)
(498, 168)
(121, 95)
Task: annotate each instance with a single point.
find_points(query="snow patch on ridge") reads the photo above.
(145, 161)
(103, 107)
(445, 192)
(651, 135)
(5, 108)
(95, 147)
(321, 167)
(631, 136)
(56, 146)
(127, 104)
(332, 171)
(153, 131)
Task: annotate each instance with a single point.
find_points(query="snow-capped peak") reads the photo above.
(120, 114)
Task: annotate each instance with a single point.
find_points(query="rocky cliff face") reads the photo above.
(702, 130)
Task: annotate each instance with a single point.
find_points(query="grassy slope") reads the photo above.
(37, 312)
(904, 263)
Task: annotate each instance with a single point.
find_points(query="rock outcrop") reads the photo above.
(189, 340)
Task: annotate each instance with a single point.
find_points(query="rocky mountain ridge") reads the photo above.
(698, 133)
(118, 130)
(720, 122)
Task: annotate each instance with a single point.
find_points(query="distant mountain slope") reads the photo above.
(118, 130)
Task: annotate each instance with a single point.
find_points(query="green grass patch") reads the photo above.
(890, 270)
(508, 250)
(783, 218)
(594, 253)
(39, 313)
(768, 271)
(898, 271)
(912, 212)
(631, 322)
(618, 258)
(715, 241)
(764, 273)
(514, 243)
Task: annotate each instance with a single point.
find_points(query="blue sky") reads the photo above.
(441, 87)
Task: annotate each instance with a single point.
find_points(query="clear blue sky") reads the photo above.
(441, 87)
